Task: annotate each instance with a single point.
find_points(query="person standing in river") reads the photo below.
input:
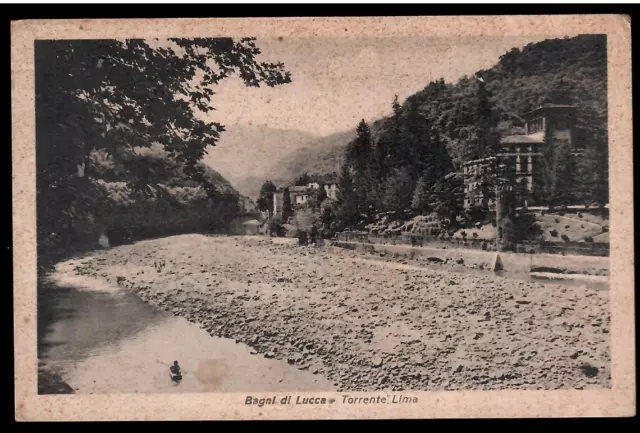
(175, 369)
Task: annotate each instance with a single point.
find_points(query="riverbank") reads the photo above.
(365, 327)
(515, 264)
(96, 337)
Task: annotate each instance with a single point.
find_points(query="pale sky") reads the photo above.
(337, 82)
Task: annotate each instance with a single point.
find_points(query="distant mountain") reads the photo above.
(320, 156)
(246, 154)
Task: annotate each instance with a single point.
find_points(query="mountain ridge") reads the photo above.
(245, 153)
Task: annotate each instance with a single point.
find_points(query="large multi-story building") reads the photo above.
(521, 153)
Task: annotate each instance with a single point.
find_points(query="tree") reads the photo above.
(413, 149)
(304, 220)
(488, 140)
(327, 220)
(592, 176)
(563, 166)
(225, 206)
(554, 183)
(359, 150)
(303, 180)
(398, 191)
(275, 225)
(359, 157)
(346, 206)
(384, 149)
(447, 195)
(265, 199)
(420, 202)
(287, 208)
(396, 106)
(317, 197)
(395, 138)
(561, 93)
(117, 96)
(541, 190)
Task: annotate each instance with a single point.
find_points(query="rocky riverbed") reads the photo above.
(371, 325)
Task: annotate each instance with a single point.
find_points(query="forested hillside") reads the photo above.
(470, 116)
(405, 162)
(175, 204)
(409, 164)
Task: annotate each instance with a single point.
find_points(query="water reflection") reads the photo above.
(106, 342)
(77, 323)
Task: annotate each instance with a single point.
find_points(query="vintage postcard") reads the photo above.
(323, 218)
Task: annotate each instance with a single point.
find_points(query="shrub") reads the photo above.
(557, 220)
(605, 229)
(588, 239)
(554, 233)
(565, 238)
(275, 226)
(302, 237)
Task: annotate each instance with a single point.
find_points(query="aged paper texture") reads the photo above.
(323, 218)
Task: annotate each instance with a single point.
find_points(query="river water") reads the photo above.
(103, 339)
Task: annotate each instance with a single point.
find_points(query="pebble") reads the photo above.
(427, 320)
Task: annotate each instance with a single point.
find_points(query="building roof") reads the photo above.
(302, 188)
(252, 222)
(516, 139)
(545, 106)
(324, 178)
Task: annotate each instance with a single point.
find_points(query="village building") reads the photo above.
(301, 194)
(521, 153)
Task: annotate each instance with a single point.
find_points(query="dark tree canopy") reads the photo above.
(115, 97)
(303, 180)
(265, 200)
(287, 206)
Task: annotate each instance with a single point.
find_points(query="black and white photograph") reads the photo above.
(359, 219)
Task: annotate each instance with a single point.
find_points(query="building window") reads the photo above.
(536, 126)
(523, 164)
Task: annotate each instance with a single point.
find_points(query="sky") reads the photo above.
(336, 82)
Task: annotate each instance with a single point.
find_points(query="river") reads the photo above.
(102, 339)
